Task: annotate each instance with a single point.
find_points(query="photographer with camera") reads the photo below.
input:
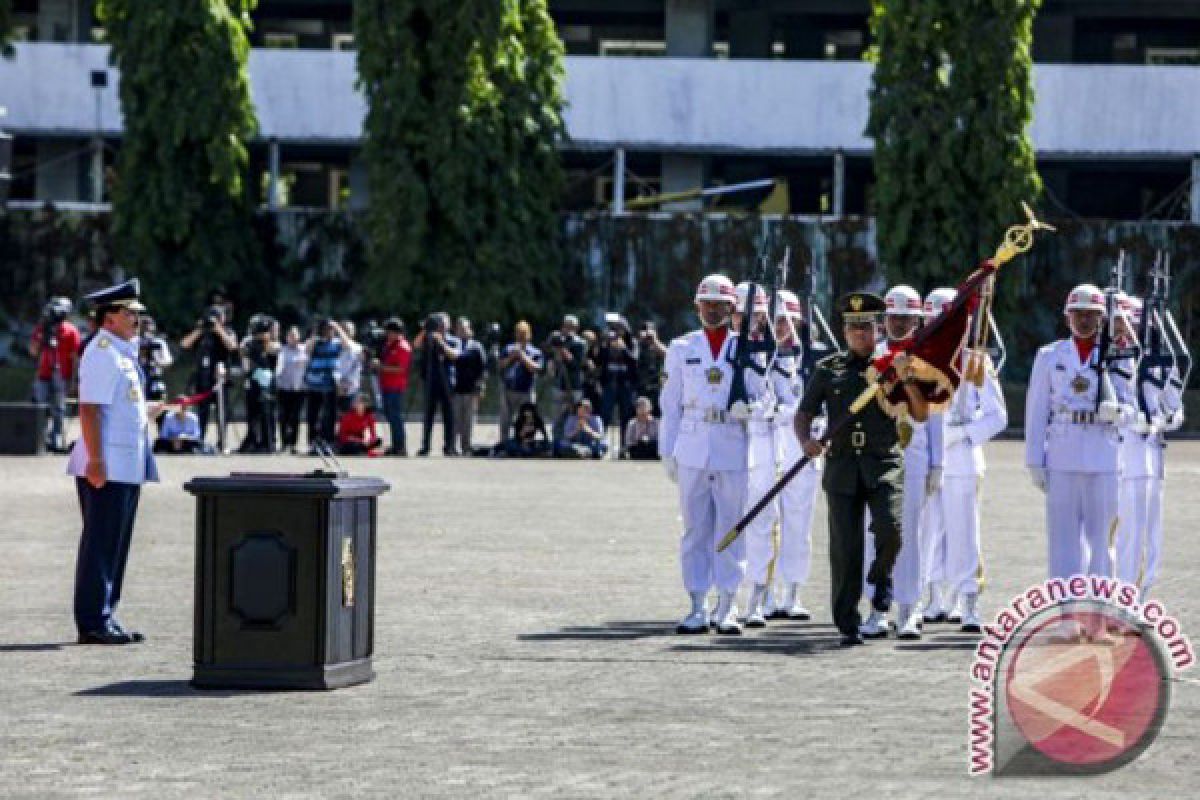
(351, 363)
(469, 378)
(56, 346)
(289, 383)
(618, 373)
(260, 357)
(520, 364)
(321, 380)
(439, 351)
(395, 359)
(567, 352)
(651, 353)
(154, 356)
(214, 345)
(582, 435)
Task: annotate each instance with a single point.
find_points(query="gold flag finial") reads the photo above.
(1019, 238)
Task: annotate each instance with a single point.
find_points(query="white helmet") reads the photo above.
(937, 300)
(789, 304)
(1130, 307)
(715, 287)
(902, 300)
(760, 297)
(1085, 297)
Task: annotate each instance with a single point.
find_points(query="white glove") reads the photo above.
(1038, 476)
(1109, 413)
(954, 435)
(933, 481)
(741, 411)
(672, 468)
(1143, 426)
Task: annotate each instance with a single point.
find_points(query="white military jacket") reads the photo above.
(1141, 448)
(1063, 389)
(109, 378)
(774, 414)
(976, 414)
(695, 428)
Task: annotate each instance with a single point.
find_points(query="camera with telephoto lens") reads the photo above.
(212, 317)
(557, 339)
(373, 337)
(260, 324)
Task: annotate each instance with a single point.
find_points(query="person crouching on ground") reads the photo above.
(583, 434)
(356, 434)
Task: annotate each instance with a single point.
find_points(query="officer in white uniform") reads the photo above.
(770, 416)
(922, 477)
(110, 461)
(1071, 441)
(797, 501)
(952, 551)
(1139, 503)
(704, 450)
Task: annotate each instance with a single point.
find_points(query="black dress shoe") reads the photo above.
(424, 451)
(105, 637)
(134, 636)
(851, 640)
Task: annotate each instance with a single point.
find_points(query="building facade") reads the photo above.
(664, 95)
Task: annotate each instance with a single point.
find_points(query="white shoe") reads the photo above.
(935, 609)
(970, 614)
(754, 608)
(876, 626)
(727, 619)
(955, 617)
(908, 623)
(796, 609)
(697, 620)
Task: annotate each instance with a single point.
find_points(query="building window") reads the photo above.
(281, 41)
(632, 47)
(844, 45)
(343, 41)
(1173, 56)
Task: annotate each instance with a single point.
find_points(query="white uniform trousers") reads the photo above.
(934, 528)
(712, 503)
(907, 574)
(956, 510)
(793, 507)
(1080, 507)
(1139, 534)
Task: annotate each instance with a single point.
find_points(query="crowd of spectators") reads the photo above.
(339, 384)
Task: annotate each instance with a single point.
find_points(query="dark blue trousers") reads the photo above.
(108, 514)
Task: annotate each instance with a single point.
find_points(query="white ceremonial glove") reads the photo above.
(954, 435)
(1173, 421)
(1038, 476)
(672, 468)
(742, 411)
(1109, 413)
(933, 481)
(1143, 426)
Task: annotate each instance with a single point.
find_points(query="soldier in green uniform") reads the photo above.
(864, 465)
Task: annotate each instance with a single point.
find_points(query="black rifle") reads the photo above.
(745, 348)
(1107, 351)
(1166, 360)
(812, 328)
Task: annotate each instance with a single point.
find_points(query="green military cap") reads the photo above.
(861, 307)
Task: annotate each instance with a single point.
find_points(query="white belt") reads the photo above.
(712, 416)
(1075, 417)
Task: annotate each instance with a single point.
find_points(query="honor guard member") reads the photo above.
(110, 461)
(773, 401)
(796, 503)
(703, 449)
(1071, 439)
(864, 466)
(952, 553)
(1139, 502)
(923, 453)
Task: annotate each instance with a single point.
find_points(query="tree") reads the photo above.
(464, 113)
(951, 101)
(6, 21)
(181, 206)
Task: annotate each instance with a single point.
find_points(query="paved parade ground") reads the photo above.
(524, 648)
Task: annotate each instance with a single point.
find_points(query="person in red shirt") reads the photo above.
(356, 434)
(55, 344)
(393, 365)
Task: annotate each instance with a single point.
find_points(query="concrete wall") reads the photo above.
(689, 105)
